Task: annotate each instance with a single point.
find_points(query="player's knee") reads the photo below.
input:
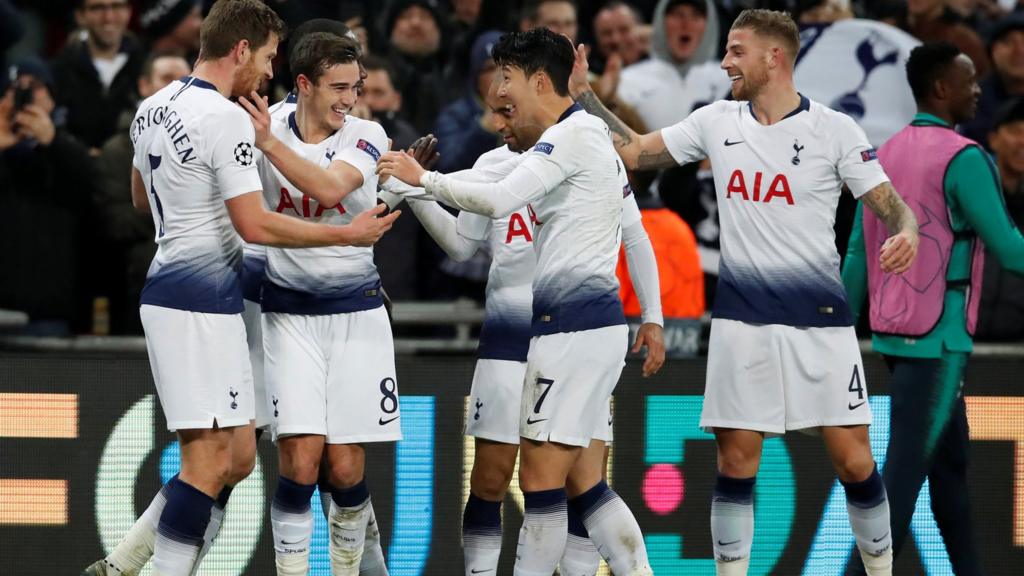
(855, 466)
(343, 475)
(738, 461)
(491, 482)
(241, 467)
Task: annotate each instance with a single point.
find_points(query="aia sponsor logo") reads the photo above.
(777, 190)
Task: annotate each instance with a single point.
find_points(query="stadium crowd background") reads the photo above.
(75, 253)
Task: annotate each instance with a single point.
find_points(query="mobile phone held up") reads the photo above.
(22, 97)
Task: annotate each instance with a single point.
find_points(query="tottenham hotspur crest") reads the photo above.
(798, 148)
(243, 154)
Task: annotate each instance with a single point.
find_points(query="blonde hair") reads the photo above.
(772, 24)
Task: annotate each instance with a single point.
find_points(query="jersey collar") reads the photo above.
(193, 81)
(805, 105)
(569, 111)
(294, 126)
(926, 119)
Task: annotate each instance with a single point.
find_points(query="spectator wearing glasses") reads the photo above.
(95, 73)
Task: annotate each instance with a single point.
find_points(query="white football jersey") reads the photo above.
(577, 226)
(505, 334)
(778, 187)
(331, 279)
(254, 262)
(194, 150)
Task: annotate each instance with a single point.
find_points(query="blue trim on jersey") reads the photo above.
(292, 97)
(570, 111)
(504, 339)
(589, 311)
(254, 271)
(214, 289)
(802, 300)
(805, 106)
(294, 126)
(341, 301)
(193, 81)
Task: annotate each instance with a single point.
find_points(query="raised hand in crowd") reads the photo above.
(8, 137)
(33, 121)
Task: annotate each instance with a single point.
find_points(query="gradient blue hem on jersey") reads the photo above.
(802, 299)
(504, 339)
(254, 272)
(587, 312)
(341, 301)
(211, 289)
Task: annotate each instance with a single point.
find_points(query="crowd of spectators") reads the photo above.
(75, 253)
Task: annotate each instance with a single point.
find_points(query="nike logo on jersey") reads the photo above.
(532, 421)
(853, 406)
(727, 143)
(382, 421)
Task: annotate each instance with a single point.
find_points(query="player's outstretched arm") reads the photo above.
(491, 199)
(900, 249)
(139, 198)
(256, 225)
(325, 185)
(643, 272)
(638, 151)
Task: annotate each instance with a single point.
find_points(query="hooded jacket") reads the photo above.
(664, 91)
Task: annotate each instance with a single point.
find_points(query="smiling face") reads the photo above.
(256, 68)
(616, 32)
(105, 20)
(684, 28)
(332, 96)
(962, 82)
(746, 63)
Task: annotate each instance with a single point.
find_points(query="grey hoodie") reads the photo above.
(706, 50)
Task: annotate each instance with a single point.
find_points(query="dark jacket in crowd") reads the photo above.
(461, 139)
(45, 192)
(129, 233)
(421, 81)
(93, 111)
(993, 94)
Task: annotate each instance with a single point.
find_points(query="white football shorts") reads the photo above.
(200, 365)
(254, 338)
(773, 378)
(332, 375)
(570, 377)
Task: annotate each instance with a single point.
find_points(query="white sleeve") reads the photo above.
(473, 226)
(231, 153)
(643, 271)
(491, 199)
(857, 162)
(630, 210)
(685, 140)
(370, 140)
(543, 168)
(444, 229)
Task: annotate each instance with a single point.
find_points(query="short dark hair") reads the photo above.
(334, 27)
(615, 4)
(318, 51)
(927, 63)
(231, 21)
(538, 50)
(372, 63)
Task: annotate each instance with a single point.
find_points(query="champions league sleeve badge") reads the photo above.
(243, 154)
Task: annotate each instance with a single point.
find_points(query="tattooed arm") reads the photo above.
(639, 152)
(900, 249)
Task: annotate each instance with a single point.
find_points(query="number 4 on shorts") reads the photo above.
(855, 385)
